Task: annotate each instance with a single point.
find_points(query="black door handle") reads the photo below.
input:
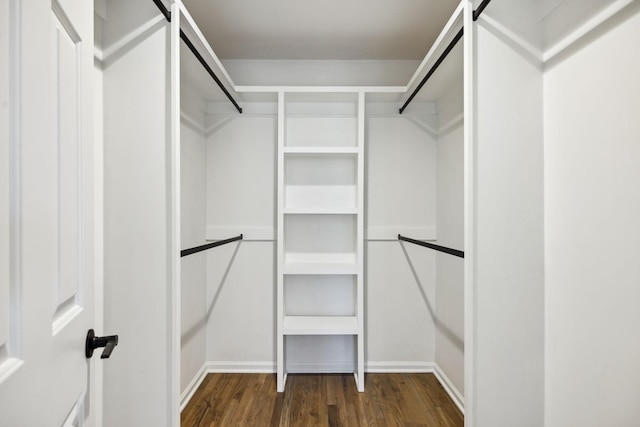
(93, 342)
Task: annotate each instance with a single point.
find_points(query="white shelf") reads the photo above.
(320, 226)
(320, 211)
(320, 263)
(320, 325)
(321, 150)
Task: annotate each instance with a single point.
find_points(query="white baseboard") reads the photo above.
(241, 367)
(223, 367)
(188, 393)
(374, 367)
(337, 367)
(399, 367)
(426, 367)
(451, 390)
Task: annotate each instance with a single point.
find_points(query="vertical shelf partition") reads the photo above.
(320, 221)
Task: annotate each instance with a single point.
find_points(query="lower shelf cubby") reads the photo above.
(320, 295)
(320, 353)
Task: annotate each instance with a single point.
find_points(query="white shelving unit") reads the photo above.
(320, 220)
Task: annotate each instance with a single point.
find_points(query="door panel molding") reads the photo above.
(67, 97)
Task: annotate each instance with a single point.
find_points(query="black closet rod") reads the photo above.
(197, 249)
(478, 11)
(447, 51)
(163, 9)
(192, 48)
(433, 68)
(439, 248)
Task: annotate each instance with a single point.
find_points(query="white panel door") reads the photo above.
(46, 212)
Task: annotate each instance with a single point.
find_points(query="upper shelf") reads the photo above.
(197, 60)
(197, 78)
(449, 72)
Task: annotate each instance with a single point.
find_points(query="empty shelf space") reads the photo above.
(325, 238)
(324, 198)
(328, 131)
(320, 325)
(320, 295)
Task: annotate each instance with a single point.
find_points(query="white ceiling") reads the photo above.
(321, 29)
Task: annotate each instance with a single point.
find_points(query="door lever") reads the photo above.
(93, 342)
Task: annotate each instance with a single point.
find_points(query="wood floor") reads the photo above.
(321, 400)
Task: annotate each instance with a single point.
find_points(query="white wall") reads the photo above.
(194, 267)
(399, 277)
(592, 233)
(241, 174)
(399, 306)
(193, 202)
(240, 179)
(450, 222)
(136, 251)
(6, 204)
(241, 307)
(508, 289)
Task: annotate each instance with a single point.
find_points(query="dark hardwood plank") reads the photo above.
(371, 403)
(335, 384)
(321, 400)
(429, 387)
(276, 415)
(333, 416)
(234, 412)
(265, 402)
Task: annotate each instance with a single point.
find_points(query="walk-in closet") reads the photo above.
(359, 217)
(320, 182)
